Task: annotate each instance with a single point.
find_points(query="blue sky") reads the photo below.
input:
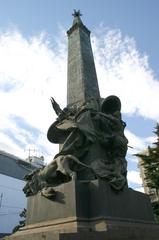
(33, 67)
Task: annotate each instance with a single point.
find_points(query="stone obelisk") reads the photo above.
(82, 81)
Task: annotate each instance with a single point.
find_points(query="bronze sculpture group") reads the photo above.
(92, 145)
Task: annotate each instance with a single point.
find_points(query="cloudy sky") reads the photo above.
(33, 67)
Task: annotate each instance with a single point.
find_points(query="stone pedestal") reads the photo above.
(90, 210)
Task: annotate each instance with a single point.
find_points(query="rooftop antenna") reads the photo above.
(31, 152)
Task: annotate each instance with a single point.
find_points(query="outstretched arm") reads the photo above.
(56, 106)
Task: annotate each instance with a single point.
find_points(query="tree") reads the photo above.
(150, 163)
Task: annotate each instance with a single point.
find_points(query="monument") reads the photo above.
(83, 192)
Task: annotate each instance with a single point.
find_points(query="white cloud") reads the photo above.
(133, 159)
(134, 177)
(139, 189)
(137, 144)
(123, 71)
(35, 71)
(8, 145)
(31, 71)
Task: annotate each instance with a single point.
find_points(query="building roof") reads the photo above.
(13, 166)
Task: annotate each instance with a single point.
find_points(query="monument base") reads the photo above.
(90, 210)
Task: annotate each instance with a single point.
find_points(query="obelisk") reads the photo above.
(82, 81)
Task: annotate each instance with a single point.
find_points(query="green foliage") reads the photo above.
(155, 206)
(150, 161)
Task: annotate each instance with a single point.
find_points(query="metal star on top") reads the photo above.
(77, 13)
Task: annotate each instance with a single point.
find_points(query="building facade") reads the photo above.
(12, 199)
(150, 191)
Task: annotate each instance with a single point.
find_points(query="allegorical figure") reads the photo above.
(92, 145)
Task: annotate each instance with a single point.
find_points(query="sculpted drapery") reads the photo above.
(93, 145)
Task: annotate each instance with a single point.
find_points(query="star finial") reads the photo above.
(76, 13)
